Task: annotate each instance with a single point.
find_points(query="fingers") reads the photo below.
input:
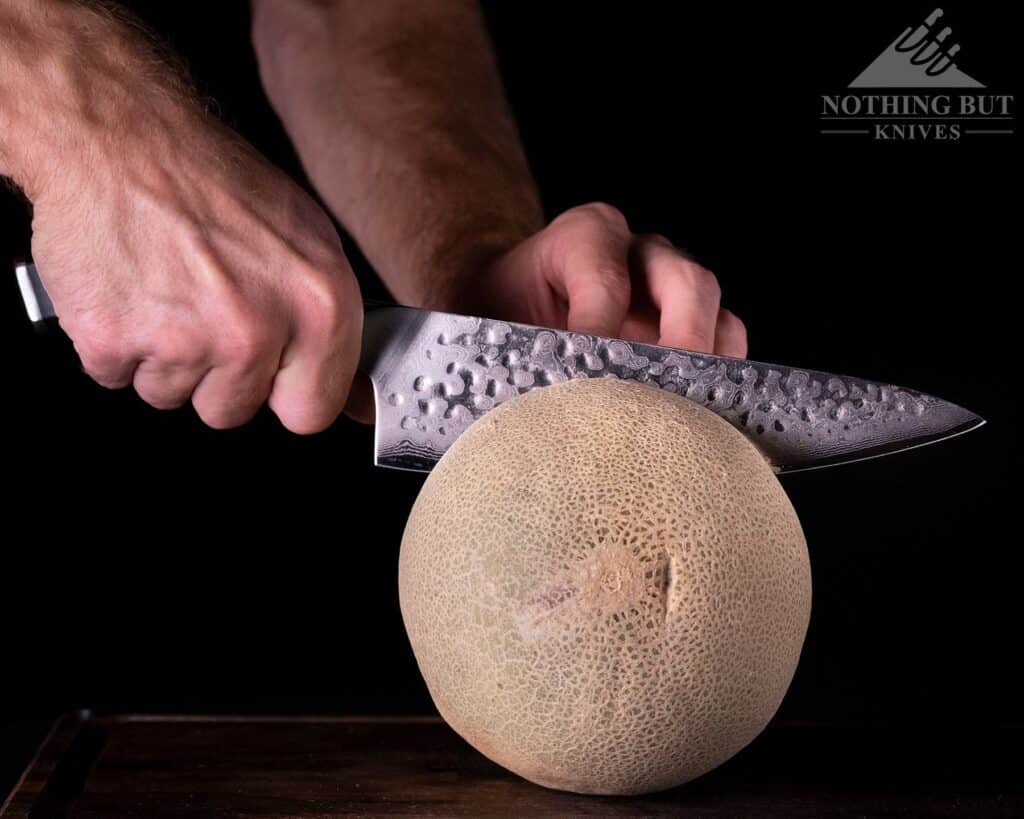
(309, 391)
(166, 387)
(730, 335)
(229, 396)
(585, 257)
(312, 385)
(102, 351)
(586, 261)
(108, 370)
(307, 382)
(170, 369)
(231, 355)
(686, 295)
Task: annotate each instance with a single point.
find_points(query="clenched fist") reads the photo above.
(181, 262)
(589, 273)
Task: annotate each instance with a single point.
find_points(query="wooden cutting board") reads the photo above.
(152, 767)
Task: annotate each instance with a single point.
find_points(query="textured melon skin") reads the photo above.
(605, 587)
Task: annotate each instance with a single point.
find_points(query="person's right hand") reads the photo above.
(180, 261)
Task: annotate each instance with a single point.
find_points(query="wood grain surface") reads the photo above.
(152, 767)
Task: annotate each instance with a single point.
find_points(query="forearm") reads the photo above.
(79, 84)
(397, 111)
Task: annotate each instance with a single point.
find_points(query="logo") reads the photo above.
(944, 104)
(918, 58)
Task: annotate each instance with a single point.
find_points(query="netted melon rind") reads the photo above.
(605, 587)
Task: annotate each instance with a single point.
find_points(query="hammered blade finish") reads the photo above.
(436, 373)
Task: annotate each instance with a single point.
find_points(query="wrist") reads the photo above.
(468, 277)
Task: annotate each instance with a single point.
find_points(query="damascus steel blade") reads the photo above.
(436, 373)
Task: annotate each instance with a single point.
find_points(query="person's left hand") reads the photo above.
(586, 272)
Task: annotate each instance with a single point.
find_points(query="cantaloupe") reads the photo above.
(605, 587)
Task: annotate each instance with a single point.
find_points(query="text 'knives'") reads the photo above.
(435, 373)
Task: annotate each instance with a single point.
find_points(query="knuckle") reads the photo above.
(594, 214)
(329, 298)
(734, 321)
(325, 306)
(700, 279)
(613, 281)
(105, 378)
(101, 352)
(735, 325)
(245, 339)
(97, 338)
(177, 349)
(656, 238)
(603, 212)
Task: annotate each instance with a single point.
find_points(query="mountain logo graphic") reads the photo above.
(918, 58)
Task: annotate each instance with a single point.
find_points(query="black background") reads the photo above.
(152, 564)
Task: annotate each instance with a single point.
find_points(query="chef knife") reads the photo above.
(435, 373)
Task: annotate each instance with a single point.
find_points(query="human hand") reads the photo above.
(180, 261)
(588, 273)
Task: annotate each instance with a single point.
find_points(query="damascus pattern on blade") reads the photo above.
(462, 367)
